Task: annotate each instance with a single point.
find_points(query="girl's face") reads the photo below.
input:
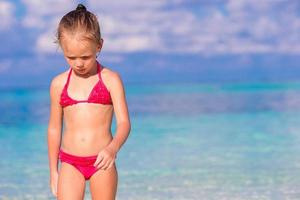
(80, 53)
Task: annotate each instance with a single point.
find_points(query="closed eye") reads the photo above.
(82, 57)
(85, 57)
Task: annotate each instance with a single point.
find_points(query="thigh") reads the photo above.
(71, 183)
(103, 184)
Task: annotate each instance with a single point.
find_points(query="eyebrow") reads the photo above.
(79, 56)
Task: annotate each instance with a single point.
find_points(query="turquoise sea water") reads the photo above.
(188, 141)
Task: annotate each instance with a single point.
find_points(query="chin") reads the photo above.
(81, 71)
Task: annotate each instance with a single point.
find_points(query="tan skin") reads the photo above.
(87, 125)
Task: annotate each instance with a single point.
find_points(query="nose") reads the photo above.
(78, 63)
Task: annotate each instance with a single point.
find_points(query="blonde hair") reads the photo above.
(79, 21)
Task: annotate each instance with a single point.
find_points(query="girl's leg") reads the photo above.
(71, 183)
(103, 184)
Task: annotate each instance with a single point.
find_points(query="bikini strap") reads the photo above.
(99, 69)
(68, 80)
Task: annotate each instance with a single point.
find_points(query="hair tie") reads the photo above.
(81, 7)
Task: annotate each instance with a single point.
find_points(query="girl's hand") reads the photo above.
(105, 158)
(53, 183)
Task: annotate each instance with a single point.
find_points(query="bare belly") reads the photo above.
(87, 130)
(85, 143)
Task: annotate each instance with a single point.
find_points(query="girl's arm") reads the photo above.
(55, 126)
(107, 156)
(121, 111)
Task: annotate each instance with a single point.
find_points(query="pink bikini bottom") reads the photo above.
(83, 163)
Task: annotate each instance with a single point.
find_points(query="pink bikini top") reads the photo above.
(99, 93)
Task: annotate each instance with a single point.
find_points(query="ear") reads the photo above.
(99, 46)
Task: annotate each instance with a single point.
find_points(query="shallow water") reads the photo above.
(188, 141)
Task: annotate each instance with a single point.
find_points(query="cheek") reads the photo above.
(70, 62)
(89, 62)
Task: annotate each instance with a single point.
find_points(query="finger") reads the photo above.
(106, 166)
(102, 164)
(99, 159)
(55, 194)
(53, 191)
(111, 164)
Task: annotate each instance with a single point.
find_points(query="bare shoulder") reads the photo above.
(57, 82)
(111, 78)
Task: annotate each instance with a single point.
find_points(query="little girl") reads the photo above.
(85, 98)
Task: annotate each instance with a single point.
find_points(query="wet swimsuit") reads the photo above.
(83, 163)
(99, 93)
